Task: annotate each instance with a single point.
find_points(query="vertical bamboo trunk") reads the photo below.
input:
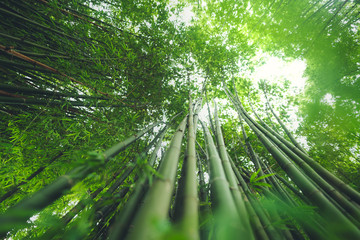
(291, 149)
(239, 201)
(327, 209)
(225, 207)
(256, 225)
(189, 216)
(157, 202)
(127, 213)
(253, 157)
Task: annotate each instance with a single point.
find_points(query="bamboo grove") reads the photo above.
(115, 122)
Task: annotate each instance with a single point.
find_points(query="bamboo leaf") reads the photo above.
(253, 176)
(264, 176)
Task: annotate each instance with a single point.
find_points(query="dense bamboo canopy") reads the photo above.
(150, 119)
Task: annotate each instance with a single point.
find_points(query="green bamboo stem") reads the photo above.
(20, 40)
(250, 151)
(16, 188)
(12, 64)
(279, 189)
(256, 225)
(205, 211)
(231, 176)
(25, 90)
(104, 213)
(266, 219)
(293, 189)
(189, 198)
(157, 201)
(292, 139)
(225, 207)
(291, 149)
(310, 226)
(209, 113)
(203, 196)
(329, 189)
(274, 215)
(105, 23)
(127, 213)
(270, 231)
(327, 209)
(16, 217)
(66, 12)
(52, 232)
(103, 210)
(6, 12)
(50, 102)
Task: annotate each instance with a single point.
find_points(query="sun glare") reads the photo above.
(275, 70)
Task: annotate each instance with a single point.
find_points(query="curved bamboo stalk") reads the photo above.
(329, 189)
(291, 150)
(20, 40)
(50, 102)
(4, 11)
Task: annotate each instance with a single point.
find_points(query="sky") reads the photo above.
(272, 69)
(275, 69)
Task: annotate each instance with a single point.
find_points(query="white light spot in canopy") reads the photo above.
(275, 70)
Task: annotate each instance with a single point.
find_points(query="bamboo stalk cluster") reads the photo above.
(230, 208)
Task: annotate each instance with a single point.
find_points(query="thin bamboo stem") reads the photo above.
(16, 217)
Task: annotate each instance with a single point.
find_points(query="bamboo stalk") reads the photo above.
(189, 198)
(77, 16)
(240, 205)
(327, 209)
(4, 11)
(52, 232)
(16, 188)
(329, 189)
(300, 158)
(127, 213)
(157, 202)
(44, 66)
(291, 150)
(50, 102)
(20, 40)
(222, 199)
(256, 225)
(16, 217)
(25, 90)
(293, 140)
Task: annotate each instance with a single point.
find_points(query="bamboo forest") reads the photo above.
(180, 119)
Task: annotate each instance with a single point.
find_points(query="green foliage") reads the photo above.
(128, 64)
(256, 182)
